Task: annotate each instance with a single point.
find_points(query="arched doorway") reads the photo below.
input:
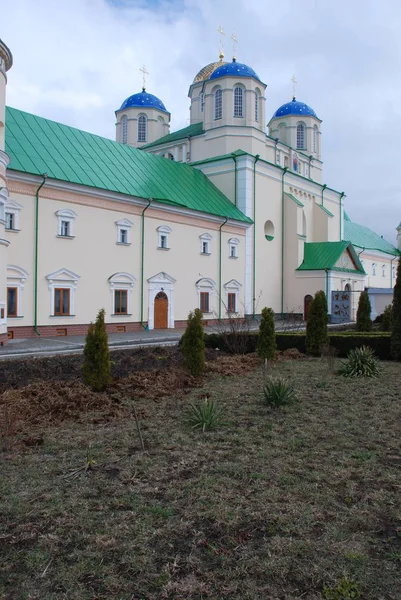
(307, 300)
(347, 287)
(161, 311)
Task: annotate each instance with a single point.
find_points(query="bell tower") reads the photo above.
(6, 61)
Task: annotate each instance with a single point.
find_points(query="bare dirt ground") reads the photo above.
(275, 504)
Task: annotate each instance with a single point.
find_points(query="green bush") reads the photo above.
(205, 416)
(363, 320)
(97, 363)
(361, 362)
(278, 392)
(316, 326)
(193, 344)
(267, 335)
(387, 318)
(396, 325)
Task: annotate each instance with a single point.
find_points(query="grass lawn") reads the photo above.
(275, 504)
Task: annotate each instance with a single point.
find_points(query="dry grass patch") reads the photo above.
(275, 505)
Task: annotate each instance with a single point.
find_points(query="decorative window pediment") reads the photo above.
(205, 283)
(233, 247)
(66, 222)
(205, 240)
(121, 286)
(124, 231)
(163, 235)
(233, 284)
(122, 279)
(62, 287)
(63, 276)
(161, 278)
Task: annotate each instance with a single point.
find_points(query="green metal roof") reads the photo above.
(180, 134)
(319, 256)
(363, 237)
(36, 145)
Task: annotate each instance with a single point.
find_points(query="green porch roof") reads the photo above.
(36, 146)
(180, 134)
(319, 256)
(363, 237)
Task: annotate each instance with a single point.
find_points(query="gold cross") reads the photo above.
(222, 33)
(144, 73)
(294, 81)
(235, 42)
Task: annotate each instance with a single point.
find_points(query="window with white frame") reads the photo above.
(121, 288)
(124, 124)
(383, 270)
(66, 223)
(205, 288)
(232, 289)
(62, 287)
(163, 237)
(202, 101)
(124, 231)
(205, 241)
(218, 104)
(2, 211)
(16, 278)
(238, 102)
(257, 107)
(300, 136)
(142, 128)
(374, 265)
(394, 273)
(233, 247)
(12, 210)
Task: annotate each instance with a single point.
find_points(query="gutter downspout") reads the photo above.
(35, 289)
(235, 178)
(254, 238)
(282, 240)
(220, 228)
(341, 215)
(143, 257)
(323, 188)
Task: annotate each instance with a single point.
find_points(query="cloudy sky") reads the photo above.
(75, 61)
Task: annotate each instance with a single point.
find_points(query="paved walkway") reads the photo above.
(74, 344)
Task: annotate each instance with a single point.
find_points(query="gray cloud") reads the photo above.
(76, 61)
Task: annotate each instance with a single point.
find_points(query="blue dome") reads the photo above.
(295, 108)
(235, 69)
(145, 100)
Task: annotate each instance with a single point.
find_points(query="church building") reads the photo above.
(219, 215)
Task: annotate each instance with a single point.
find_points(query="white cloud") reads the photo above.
(76, 61)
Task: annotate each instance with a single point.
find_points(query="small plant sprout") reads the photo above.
(278, 392)
(361, 362)
(205, 416)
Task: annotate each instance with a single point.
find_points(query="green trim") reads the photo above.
(233, 156)
(35, 288)
(297, 202)
(284, 171)
(319, 256)
(143, 257)
(181, 134)
(325, 210)
(220, 267)
(257, 157)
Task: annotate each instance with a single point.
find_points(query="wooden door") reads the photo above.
(307, 300)
(161, 311)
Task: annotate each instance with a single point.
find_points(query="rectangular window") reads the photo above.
(61, 302)
(204, 302)
(205, 247)
(163, 241)
(231, 303)
(10, 221)
(12, 302)
(233, 251)
(218, 104)
(123, 236)
(120, 302)
(238, 102)
(65, 228)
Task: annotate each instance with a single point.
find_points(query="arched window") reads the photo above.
(202, 101)
(300, 136)
(161, 126)
(142, 127)
(238, 102)
(218, 104)
(257, 107)
(315, 138)
(383, 270)
(124, 123)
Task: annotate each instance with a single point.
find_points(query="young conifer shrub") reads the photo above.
(316, 326)
(396, 324)
(193, 344)
(97, 363)
(363, 320)
(267, 335)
